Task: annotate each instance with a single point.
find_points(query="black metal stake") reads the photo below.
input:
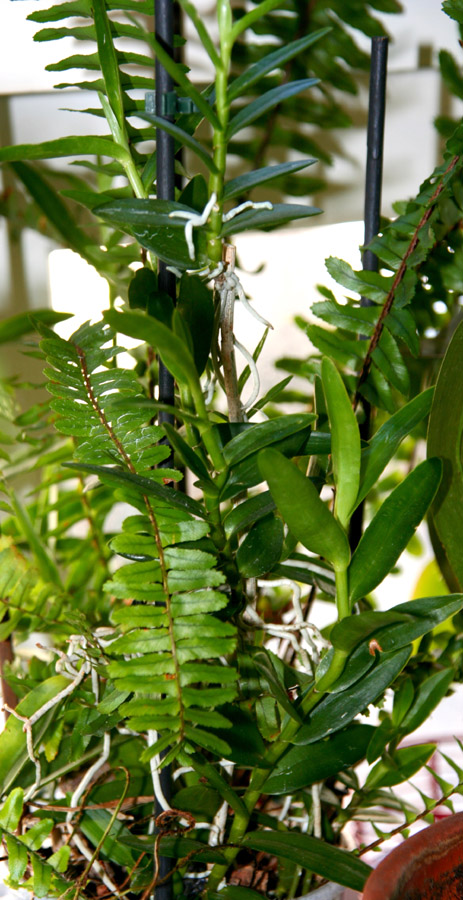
(165, 190)
(375, 140)
(372, 209)
(165, 171)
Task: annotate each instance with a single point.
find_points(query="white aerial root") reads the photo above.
(255, 375)
(248, 204)
(65, 666)
(89, 776)
(219, 822)
(194, 220)
(317, 810)
(27, 728)
(306, 629)
(155, 762)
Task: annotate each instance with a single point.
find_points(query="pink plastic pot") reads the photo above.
(427, 866)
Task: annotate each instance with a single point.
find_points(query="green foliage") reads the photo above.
(160, 606)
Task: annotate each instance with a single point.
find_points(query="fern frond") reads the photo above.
(169, 588)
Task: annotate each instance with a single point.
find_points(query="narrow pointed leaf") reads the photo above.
(177, 73)
(300, 767)
(248, 512)
(345, 441)
(13, 752)
(185, 139)
(256, 437)
(261, 549)
(278, 215)
(307, 517)
(108, 60)
(392, 527)
(24, 323)
(384, 443)
(312, 854)
(140, 484)
(244, 183)
(445, 440)
(79, 145)
(337, 710)
(266, 102)
(173, 351)
(271, 61)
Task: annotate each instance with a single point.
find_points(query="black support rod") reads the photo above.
(165, 190)
(372, 209)
(165, 172)
(375, 140)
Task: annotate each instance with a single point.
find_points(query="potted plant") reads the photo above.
(160, 744)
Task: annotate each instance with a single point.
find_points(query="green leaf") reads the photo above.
(41, 874)
(24, 323)
(307, 517)
(243, 737)
(300, 767)
(313, 854)
(144, 294)
(427, 696)
(108, 60)
(336, 710)
(345, 441)
(445, 440)
(345, 635)
(185, 139)
(17, 857)
(368, 284)
(174, 353)
(175, 847)
(279, 214)
(78, 145)
(256, 437)
(261, 548)
(401, 766)
(245, 514)
(236, 892)
(392, 527)
(423, 615)
(59, 861)
(196, 306)
(142, 485)
(13, 752)
(271, 61)
(189, 457)
(387, 357)
(155, 229)
(244, 183)
(263, 661)
(383, 445)
(12, 810)
(57, 214)
(176, 72)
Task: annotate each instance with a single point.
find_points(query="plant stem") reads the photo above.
(254, 790)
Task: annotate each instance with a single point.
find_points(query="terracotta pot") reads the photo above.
(427, 866)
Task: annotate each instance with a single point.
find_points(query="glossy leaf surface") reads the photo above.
(312, 854)
(300, 766)
(390, 530)
(308, 518)
(345, 441)
(337, 710)
(444, 440)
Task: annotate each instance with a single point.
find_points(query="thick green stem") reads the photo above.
(254, 791)
(220, 142)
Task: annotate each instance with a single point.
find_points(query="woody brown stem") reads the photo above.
(398, 279)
